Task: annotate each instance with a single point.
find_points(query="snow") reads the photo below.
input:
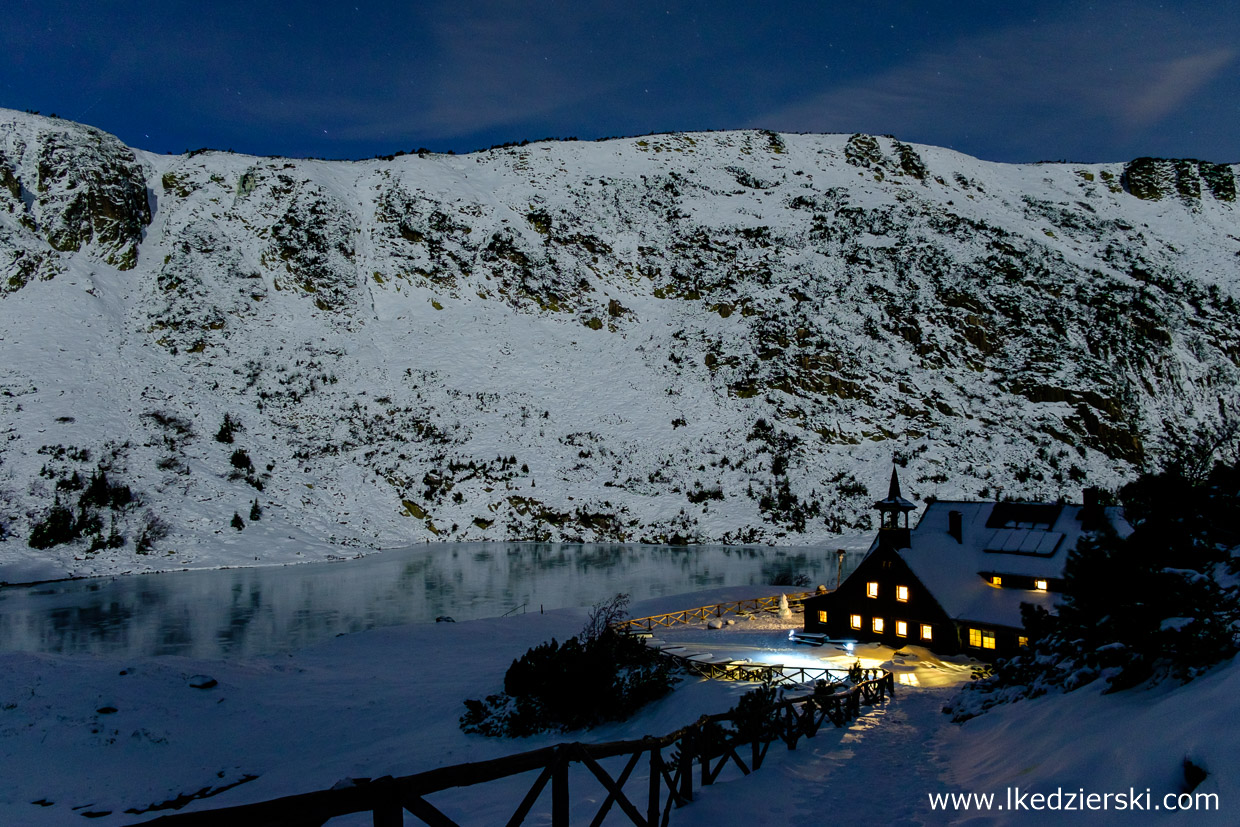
(386, 701)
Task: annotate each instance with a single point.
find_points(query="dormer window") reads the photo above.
(1040, 585)
(871, 589)
(902, 594)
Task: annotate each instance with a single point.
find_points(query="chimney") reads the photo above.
(1092, 515)
(955, 525)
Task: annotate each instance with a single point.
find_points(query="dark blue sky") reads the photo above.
(1004, 81)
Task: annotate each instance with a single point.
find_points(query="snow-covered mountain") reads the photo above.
(689, 337)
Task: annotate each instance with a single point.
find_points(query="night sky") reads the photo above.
(1008, 82)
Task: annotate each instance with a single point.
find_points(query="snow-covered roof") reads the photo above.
(1021, 540)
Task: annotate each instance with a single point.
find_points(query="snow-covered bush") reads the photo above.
(600, 675)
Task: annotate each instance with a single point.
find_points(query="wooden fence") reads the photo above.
(702, 750)
(703, 614)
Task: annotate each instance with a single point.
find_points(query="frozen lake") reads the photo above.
(248, 611)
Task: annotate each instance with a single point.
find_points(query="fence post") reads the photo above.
(559, 789)
(387, 810)
(654, 805)
(686, 765)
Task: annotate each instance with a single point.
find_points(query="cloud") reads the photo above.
(1177, 81)
(466, 73)
(1024, 88)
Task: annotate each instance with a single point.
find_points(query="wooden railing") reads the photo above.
(702, 614)
(768, 673)
(667, 783)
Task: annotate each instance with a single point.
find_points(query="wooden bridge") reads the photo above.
(646, 780)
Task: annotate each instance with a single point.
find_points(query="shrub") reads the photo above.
(241, 460)
(100, 493)
(56, 528)
(153, 530)
(598, 676)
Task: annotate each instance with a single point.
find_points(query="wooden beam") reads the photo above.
(422, 809)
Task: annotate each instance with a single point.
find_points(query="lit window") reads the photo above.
(855, 621)
(982, 638)
(871, 589)
(1040, 585)
(878, 625)
(901, 629)
(822, 617)
(996, 580)
(927, 633)
(902, 594)
(1022, 640)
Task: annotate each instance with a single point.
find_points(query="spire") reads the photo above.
(895, 501)
(893, 531)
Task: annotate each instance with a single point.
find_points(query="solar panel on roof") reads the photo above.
(1024, 541)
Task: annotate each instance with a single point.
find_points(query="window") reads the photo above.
(1022, 640)
(878, 625)
(855, 621)
(902, 594)
(871, 589)
(901, 629)
(996, 580)
(982, 638)
(822, 617)
(1040, 585)
(927, 632)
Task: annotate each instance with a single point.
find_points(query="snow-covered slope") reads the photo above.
(687, 337)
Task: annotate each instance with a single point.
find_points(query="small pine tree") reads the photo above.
(237, 522)
(256, 512)
(225, 433)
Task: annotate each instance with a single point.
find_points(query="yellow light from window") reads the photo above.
(1021, 640)
(988, 639)
(901, 629)
(996, 580)
(871, 589)
(822, 617)
(855, 621)
(975, 638)
(1040, 585)
(927, 632)
(902, 594)
(878, 625)
(908, 679)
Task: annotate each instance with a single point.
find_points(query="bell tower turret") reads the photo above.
(893, 530)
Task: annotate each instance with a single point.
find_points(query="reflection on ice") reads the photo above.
(220, 613)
